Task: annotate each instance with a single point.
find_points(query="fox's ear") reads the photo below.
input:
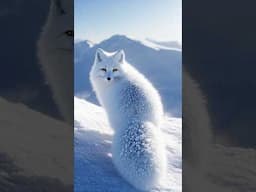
(99, 56)
(120, 56)
(57, 5)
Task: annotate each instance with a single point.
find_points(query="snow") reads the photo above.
(38, 139)
(166, 44)
(94, 169)
(150, 43)
(158, 46)
(230, 169)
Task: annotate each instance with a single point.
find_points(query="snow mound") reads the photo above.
(94, 170)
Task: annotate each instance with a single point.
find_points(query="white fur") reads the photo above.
(196, 123)
(55, 52)
(135, 112)
(197, 136)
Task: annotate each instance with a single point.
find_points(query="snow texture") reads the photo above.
(94, 168)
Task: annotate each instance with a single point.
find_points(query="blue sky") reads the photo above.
(96, 20)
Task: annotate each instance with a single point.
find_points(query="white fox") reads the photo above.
(135, 112)
(55, 52)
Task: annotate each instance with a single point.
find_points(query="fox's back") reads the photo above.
(139, 101)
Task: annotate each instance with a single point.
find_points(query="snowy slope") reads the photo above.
(47, 162)
(167, 44)
(161, 65)
(229, 168)
(94, 170)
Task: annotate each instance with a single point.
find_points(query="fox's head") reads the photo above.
(58, 32)
(108, 67)
(55, 53)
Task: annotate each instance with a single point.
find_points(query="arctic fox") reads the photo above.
(55, 52)
(135, 112)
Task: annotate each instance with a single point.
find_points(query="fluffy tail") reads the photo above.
(138, 154)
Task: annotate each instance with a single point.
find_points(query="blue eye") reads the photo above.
(103, 69)
(114, 70)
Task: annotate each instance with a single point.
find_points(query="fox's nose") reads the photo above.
(108, 78)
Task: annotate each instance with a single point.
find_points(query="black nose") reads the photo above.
(108, 78)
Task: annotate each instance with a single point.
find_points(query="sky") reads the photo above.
(96, 20)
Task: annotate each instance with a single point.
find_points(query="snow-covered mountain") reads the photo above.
(161, 65)
(169, 44)
(94, 170)
(80, 48)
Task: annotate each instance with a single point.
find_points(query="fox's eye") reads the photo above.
(103, 69)
(114, 70)
(69, 33)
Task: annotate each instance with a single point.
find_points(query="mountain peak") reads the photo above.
(89, 43)
(86, 43)
(118, 38)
